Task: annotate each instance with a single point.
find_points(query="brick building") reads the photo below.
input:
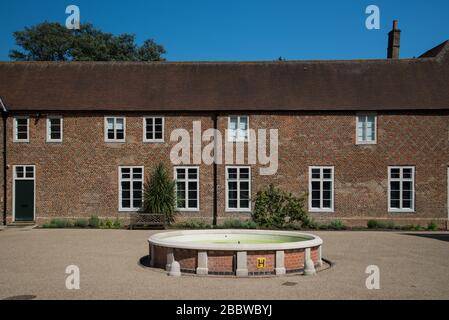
(362, 139)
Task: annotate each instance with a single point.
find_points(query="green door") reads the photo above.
(24, 193)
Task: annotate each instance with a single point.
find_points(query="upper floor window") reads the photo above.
(366, 128)
(187, 188)
(21, 129)
(321, 189)
(114, 129)
(238, 188)
(153, 129)
(54, 129)
(401, 189)
(131, 188)
(238, 128)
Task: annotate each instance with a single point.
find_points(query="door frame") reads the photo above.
(14, 189)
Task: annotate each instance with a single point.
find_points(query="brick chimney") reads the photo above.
(394, 41)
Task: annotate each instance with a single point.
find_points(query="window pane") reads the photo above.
(394, 195)
(22, 135)
(110, 123)
(316, 174)
(193, 173)
(149, 134)
(395, 185)
(180, 174)
(126, 173)
(232, 194)
(193, 204)
(244, 185)
(407, 173)
(137, 203)
(244, 173)
(315, 203)
(406, 195)
(394, 173)
(111, 134)
(327, 174)
(29, 172)
(316, 185)
(407, 185)
(158, 122)
(394, 204)
(232, 185)
(407, 204)
(244, 203)
(158, 135)
(232, 173)
(327, 185)
(120, 135)
(126, 203)
(316, 195)
(327, 195)
(233, 123)
(232, 204)
(326, 204)
(120, 123)
(19, 172)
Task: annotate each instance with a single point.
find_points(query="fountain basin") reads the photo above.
(235, 252)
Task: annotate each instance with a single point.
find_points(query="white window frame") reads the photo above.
(321, 180)
(15, 139)
(14, 187)
(131, 180)
(106, 139)
(49, 118)
(187, 180)
(238, 138)
(154, 140)
(238, 180)
(400, 180)
(365, 114)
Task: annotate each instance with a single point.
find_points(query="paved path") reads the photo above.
(33, 262)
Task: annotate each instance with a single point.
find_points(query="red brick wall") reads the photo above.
(220, 261)
(294, 259)
(314, 254)
(270, 257)
(79, 177)
(160, 257)
(187, 259)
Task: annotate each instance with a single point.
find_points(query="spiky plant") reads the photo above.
(159, 195)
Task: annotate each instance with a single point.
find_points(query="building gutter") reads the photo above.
(215, 206)
(5, 184)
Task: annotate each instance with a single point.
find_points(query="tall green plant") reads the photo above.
(277, 208)
(159, 196)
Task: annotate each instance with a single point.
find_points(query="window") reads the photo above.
(401, 185)
(21, 129)
(321, 189)
(238, 188)
(238, 128)
(153, 129)
(114, 129)
(366, 128)
(24, 172)
(54, 129)
(187, 188)
(130, 188)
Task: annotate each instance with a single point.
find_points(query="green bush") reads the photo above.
(192, 224)
(238, 224)
(276, 208)
(108, 224)
(337, 225)
(94, 222)
(372, 224)
(81, 223)
(117, 224)
(159, 195)
(432, 226)
(60, 223)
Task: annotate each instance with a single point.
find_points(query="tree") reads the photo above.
(50, 41)
(159, 195)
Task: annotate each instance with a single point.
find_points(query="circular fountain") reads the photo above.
(236, 252)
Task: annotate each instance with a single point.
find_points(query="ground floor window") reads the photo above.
(238, 188)
(321, 189)
(401, 184)
(187, 188)
(131, 188)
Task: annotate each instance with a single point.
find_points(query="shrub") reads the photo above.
(117, 224)
(337, 225)
(159, 196)
(372, 224)
(81, 223)
(107, 223)
(238, 224)
(94, 222)
(432, 226)
(276, 208)
(192, 224)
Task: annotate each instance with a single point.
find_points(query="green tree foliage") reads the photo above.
(50, 41)
(159, 195)
(276, 208)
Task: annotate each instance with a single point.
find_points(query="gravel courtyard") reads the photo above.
(33, 263)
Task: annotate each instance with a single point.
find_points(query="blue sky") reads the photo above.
(247, 29)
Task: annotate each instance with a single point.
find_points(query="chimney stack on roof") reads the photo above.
(394, 41)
